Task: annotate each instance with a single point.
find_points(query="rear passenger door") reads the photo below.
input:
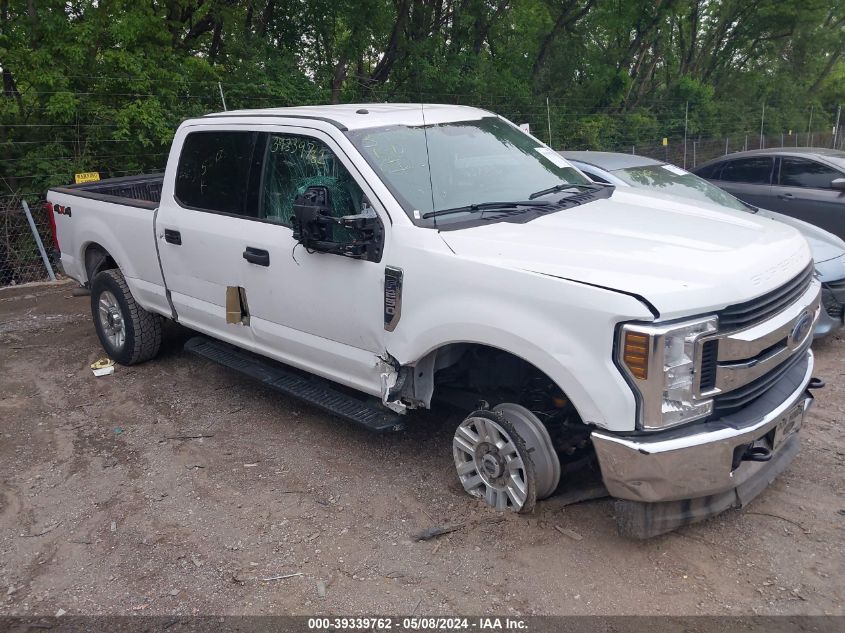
(803, 191)
(202, 225)
(749, 179)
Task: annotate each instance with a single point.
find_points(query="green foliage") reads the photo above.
(101, 85)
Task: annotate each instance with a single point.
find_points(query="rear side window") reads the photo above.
(754, 171)
(213, 171)
(711, 172)
(800, 172)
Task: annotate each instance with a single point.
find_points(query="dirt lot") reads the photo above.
(101, 513)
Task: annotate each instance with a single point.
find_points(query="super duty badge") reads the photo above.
(392, 297)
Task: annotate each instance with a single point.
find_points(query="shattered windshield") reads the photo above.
(472, 162)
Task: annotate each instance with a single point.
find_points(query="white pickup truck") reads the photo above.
(379, 259)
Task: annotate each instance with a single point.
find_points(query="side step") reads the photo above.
(312, 389)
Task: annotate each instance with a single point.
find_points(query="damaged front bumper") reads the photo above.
(681, 476)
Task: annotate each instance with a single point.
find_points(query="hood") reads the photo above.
(824, 245)
(683, 259)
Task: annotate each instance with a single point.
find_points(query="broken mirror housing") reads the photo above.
(314, 226)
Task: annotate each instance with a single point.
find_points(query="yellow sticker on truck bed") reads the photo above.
(87, 176)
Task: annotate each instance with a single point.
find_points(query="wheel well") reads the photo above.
(491, 373)
(468, 375)
(97, 259)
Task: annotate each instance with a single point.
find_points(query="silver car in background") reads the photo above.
(663, 179)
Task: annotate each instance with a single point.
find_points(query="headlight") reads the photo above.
(661, 363)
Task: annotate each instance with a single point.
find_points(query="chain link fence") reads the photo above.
(20, 259)
(698, 151)
(36, 156)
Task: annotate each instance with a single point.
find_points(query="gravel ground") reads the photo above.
(280, 509)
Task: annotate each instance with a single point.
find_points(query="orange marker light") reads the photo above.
(636, 354)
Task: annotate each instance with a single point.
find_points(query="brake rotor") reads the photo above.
(539, 444)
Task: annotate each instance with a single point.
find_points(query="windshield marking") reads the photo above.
(462, 163)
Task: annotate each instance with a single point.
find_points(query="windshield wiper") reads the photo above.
(484, 206)
(562, 187)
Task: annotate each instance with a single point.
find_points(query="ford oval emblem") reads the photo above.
(801, 328)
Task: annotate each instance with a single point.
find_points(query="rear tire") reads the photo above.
(128, 333)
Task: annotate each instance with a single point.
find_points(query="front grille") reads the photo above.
(743, 396)
(745, 314)
(709, 353)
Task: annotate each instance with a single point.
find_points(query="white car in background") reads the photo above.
(665, 180)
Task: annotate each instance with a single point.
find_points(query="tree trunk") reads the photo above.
(216, 42)
(10, 88)
(483, 26)
(391, 53)
(266, 16)
(338, 77)
(835, 55)
(568, 16)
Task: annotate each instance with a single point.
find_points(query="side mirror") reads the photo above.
(838, 183)
(311, 210)
(315, 227)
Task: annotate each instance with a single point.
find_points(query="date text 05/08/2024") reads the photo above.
(417, 624)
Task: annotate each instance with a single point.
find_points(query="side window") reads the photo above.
(294, 163)
(754, 171)
(710, 172)
(800, 172)
(213, 171)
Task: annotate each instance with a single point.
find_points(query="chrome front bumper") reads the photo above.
(704, 459)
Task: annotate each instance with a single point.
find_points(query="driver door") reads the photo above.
(318, 311)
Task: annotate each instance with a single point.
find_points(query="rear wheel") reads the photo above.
(128, 333)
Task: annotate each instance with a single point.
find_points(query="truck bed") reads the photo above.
(117, 216)
(142, 191)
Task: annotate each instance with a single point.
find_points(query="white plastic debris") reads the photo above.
(103, 367)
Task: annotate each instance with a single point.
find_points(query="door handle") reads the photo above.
(173, 237)
(786, 196)
(257, 256)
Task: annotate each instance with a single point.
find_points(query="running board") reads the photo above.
(311, 389)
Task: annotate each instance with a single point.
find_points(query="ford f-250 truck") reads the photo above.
(379, 259)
